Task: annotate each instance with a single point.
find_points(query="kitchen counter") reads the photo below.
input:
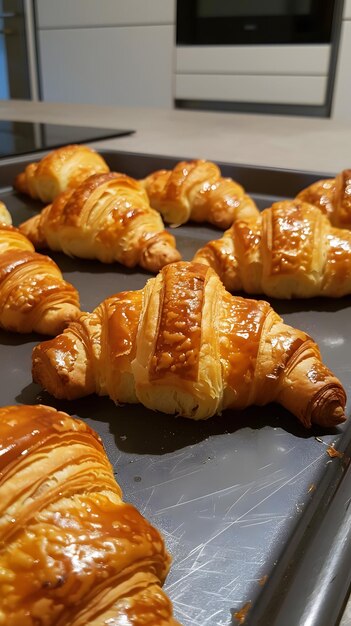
(317, 145)
(314, 144)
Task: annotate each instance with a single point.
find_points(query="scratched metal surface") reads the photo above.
(227, 493)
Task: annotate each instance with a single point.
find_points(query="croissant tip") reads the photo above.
(18, 182)
(328, 406)
(156, 257)
(332, 417)
(338, 415)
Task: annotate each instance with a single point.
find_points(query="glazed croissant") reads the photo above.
(62, 169)
(333, 197)
(33, 294)
(196, 191)
(108, 217)
(5, 217)
(184, 345)
(289, 251)
(72, 552)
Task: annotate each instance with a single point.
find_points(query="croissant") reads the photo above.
(290, 250)
(333, 197)
(185, 345)
(62, 169)
(196, 191)
(5, 217)
(72, 552)
(108, 217)
(33, 294)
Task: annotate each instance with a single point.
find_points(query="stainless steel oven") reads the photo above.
(275, 56)
(222, 22)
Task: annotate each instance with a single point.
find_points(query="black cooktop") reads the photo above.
(24, 137)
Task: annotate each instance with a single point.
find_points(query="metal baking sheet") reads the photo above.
(253, 509)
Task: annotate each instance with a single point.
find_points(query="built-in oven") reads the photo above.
(256, 54)
(222, 22)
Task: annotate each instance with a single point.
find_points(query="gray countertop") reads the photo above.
(314, 144)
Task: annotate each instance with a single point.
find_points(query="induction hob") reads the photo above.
(24, 137)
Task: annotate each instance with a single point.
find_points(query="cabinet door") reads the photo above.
(341, 108)
(347, 10)
(69, 13)
(124, 66)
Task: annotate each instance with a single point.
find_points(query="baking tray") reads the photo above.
(252, 507)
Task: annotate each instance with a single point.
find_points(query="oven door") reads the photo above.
(221, 22)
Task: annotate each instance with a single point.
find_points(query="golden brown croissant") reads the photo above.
(196, 191)
(72, 552)
(62, 169)
(33, 294)
(289, 251)
(5, 217)
(108, 217)
(333, 197)
(185, 345)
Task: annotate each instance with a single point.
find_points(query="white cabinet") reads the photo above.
(256, 89)
(341, 107)
(107, 51)
(80, 13)
(347, 10)
(129, 66)
(267, 59)
(281, 74)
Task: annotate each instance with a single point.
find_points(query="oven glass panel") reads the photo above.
(253, 8)
(230, 22)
